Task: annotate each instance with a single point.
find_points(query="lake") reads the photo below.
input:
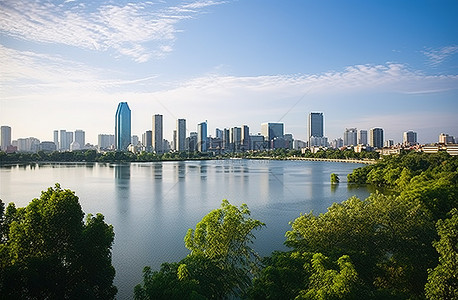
(152, 205)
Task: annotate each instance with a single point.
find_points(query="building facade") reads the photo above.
(315, 127)
(157, 132)
(122, 127)
(5, 137)
(181, 135)
(202, 137)
(80, 137)
(350, 137)
(272, 131)
(409, 138)
(376, 138)
(362, 137)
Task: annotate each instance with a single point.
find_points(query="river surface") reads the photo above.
(151, 205)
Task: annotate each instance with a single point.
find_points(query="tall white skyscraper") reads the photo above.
(350, 137)
(181, 135)
(80, 137)
(157, 132)
(56, 138)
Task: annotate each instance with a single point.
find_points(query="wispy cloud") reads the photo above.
(27, 72)
(395, 78)
(438, 56)
(141, 31)
(35, 72)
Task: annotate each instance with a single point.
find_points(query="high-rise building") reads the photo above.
(202, 137)
(315, 126)
(122, 127)
(444, 138)
(105, 141)
(227, 140)
(56, 138)
(376, 138)
(191, 142)
(147, 140)
(157, 131)
(80, 137)
(350, 137)
(181, 135)
(245, 138)
(219, 133)
(236, 138)
(5, 137)
(409, 138)
(362, 137)
(270, 131)
(66, 138)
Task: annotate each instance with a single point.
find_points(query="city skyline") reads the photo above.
(363, 64)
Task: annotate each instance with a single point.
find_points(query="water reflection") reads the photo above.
(122, 184)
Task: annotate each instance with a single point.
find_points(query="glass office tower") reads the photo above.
(122, 127)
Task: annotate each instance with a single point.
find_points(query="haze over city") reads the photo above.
(391, 64)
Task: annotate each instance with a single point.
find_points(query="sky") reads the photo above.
(364, 64)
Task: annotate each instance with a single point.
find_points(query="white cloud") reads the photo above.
(438, 56)
(125, 29)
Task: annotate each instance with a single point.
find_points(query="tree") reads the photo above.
(283, 276)
(50, 252)
(443, 280)
(220, 262)
(327, 283)
(334, 178)
(387, 239)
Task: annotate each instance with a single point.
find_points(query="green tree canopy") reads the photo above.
(48, 251)
(220, 262)
(443, 280)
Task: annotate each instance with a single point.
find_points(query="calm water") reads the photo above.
(151, 205)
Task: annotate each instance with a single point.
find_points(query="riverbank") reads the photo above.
(357, 161)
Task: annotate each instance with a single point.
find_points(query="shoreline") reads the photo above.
(359, 161)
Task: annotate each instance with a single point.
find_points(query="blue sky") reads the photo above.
(389, 64)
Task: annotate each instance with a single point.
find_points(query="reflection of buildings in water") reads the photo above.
(157, 170)
(122, 183)
(179, 170)
(272, 183)
(317, 186)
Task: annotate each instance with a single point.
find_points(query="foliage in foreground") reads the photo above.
(220, 262)
(382, 247)
(48, 252)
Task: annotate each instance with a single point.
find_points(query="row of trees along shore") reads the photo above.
(124, 156)
(400, 244)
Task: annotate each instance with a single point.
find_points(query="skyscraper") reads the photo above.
(181, 135)
(315, 128)
(66, 138)
(272, 130)
(409, 138)
(147, 140)
(245, 138)
(350, 137)
(362, 137)
(5, 137)
(202, 137)
(56, 138)
(80, 137)
(157, 134)
(376, 138)
(122, 127)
